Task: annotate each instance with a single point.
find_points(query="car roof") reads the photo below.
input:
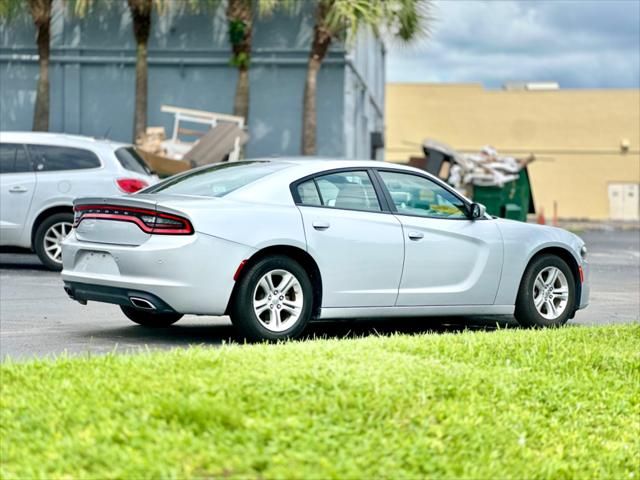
(62, 139)
(318, 164)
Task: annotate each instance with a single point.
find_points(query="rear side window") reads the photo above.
(53, 158)
(13, 158)
(347, 190)
(132, 161)
(217, 180)
(308, 193)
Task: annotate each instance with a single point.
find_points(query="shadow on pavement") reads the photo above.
(20, 260)
(181, 336)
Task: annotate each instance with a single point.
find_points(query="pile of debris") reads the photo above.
(465, 170)
(211, 138)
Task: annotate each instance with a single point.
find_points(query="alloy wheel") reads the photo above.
(551, 293)
(53, 238)
(278, 300)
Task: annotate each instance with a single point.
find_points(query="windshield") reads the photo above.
(217, 180)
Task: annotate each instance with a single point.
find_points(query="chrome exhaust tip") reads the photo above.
(141, 303)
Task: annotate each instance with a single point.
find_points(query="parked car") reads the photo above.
(275, 244)
(41, 174)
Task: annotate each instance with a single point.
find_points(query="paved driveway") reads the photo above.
(37, 318)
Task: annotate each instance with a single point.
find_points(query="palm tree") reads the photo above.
(141, 14)
(341, 20)
(41, 15)
(141, 21)
(240, 15)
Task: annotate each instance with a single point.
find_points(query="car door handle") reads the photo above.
(416, 235)
(17, 189)
(321, 225)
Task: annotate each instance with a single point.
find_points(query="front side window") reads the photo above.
(13, 158)
(217, 180)
(416, 195)
(48, 158)
(347, 190)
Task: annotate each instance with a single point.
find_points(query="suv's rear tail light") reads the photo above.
(148, 221)
(131, 185)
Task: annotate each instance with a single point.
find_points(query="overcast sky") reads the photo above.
(578, 43)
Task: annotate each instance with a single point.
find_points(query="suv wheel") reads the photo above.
(48, 239)
(273, 300)
(547, 293)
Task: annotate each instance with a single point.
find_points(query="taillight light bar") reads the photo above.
(149, 221)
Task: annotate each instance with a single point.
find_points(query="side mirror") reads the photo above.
(476, 211)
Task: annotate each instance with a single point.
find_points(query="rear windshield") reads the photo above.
(217, 180)
(131, 160)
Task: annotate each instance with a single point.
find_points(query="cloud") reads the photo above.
(580, 44)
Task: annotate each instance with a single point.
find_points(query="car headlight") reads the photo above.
(583, 252)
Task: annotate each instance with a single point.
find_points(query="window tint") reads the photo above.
(308, 193)
(415, 195)
(49, 158)
(131, 160)
(348, 190)
(216, 181)
(13, 158)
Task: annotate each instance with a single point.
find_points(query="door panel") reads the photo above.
(17, 185)
(449, 259)
(450, 262)
(359, 254)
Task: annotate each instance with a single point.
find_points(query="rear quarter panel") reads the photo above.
(252, 224)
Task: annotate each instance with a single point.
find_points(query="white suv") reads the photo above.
(41, 174)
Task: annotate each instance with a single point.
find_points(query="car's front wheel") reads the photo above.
(273, 300)
(547, 294)
(150, 319)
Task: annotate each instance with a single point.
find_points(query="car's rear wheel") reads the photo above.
(150, 319)
(48, 239)
(547, 293)
(273, 300)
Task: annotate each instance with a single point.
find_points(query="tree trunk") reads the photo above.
(240, 18)
(41, 111)
(241, 100)
(309, 111)
(319, 47)
(140, 113)
(141, 21)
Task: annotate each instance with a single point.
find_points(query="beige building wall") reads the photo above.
(576, 135)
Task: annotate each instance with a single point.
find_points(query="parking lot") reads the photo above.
(38, 319)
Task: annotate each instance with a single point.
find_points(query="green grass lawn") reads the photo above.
(519, 404)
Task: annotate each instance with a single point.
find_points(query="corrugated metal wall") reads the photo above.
(93, 66)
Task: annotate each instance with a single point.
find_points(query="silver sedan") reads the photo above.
(278, 243)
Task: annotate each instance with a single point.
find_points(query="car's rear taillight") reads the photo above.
(131, 185)
(148, 221)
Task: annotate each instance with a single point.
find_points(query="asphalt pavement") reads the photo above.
(38, 319)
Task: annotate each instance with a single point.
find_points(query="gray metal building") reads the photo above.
(93, 70)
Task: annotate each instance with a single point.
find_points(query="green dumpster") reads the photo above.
(514, 200)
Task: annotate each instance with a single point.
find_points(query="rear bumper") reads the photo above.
(189, 274)
(84, 292)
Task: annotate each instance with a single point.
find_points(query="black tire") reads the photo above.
(526, 312)
(241, 309)
(150, 319)
(39, 239)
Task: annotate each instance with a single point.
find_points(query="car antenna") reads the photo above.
(106, 134)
